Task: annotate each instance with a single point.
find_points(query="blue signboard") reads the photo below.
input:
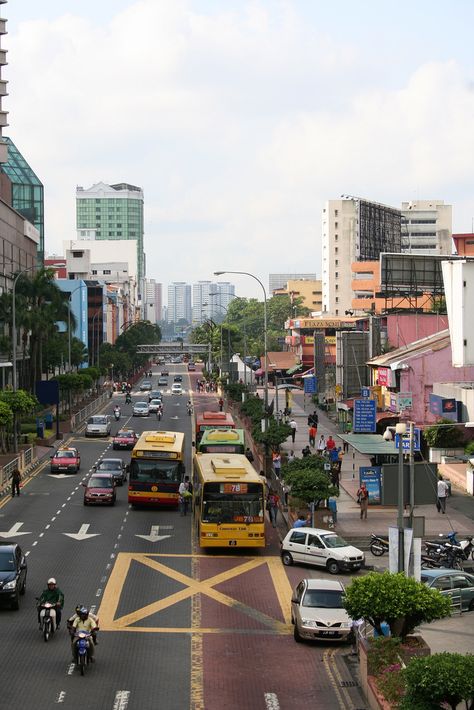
(445, 407)
(364, 416)
(365, 392)
(309, 385)
(406, 440)
(372, 477)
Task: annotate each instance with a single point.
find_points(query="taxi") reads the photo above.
(67, 460)
(125, 439)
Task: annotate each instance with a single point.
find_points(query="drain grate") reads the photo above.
(349, 684)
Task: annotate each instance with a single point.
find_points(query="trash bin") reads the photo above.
(48, 420)
(40, 428)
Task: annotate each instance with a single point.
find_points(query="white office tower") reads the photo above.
(211, 300)
(179, 302)
(280, 280)
(427, 227)
(353, 230)
(151, 308)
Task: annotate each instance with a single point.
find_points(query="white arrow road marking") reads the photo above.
(82, 534)
(59, 475)
(154, 535)
(174, 417)
(14, 531)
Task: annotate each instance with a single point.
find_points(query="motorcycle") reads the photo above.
(82, 642)
(128, 399)
(159, 413)
(190, 409)
(47, 620)
(378, 545)
(117, 414)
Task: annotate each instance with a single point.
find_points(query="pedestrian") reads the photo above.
(221, 404)
(300, 522)
(272, 506)
(313, 419)
(345, 446)
(294, 429)
(16, 478)
(443, 492)
(312, 435)
(306, 451)
(340, 456)
(185, 495)
(249, 454)
(291, 456)
(286, 492)
(363, 500)
(321, 445)
(330, 443)
(276, 460)
(332, 505)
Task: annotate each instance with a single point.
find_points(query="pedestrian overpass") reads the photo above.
(176, 348)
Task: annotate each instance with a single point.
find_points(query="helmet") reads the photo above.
(83, 612)
(51, 580)
(78, 608)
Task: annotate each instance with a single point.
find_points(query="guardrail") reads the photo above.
(81, 416)
(24, 461)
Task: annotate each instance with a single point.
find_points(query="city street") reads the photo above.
(179, 628)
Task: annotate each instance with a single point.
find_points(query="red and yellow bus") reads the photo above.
(213, 420)
(156, 469)
(229, 501)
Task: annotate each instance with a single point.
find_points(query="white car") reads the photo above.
(98, 425)
(176, 388)
(317, 611)
(154, 405)
(322, 548)
(141, 409)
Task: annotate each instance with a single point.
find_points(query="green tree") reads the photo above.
(437, 680)
(308, 480)
(6, 422)
(400, 601)
(445, 436)
(20, 403)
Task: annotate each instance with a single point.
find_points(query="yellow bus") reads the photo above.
(156, 469)
(229, 501)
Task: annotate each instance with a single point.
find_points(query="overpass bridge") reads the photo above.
(176, 348)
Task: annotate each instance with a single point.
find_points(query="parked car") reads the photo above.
(448, 580)
(13, 571)
(145, 386)
(162, 381)
(178, 378)
(67, 460)
(155, 394)
(100, 490)
(317, 612)
(154, 405)
(141, 409)
(321, 548)
(125, 439)
(116, 467)
(98, 425)
(176, 388)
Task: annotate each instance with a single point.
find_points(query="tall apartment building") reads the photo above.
(353, 230)
(112, 212)
(179, 302)
(308, 290)
(427, 227)
(152, 301)
(280, 280)
(211, 300)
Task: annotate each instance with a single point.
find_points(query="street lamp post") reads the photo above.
(400, 429)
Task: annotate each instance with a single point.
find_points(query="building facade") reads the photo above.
(211, 300)
(179, 302)
(112, 212)
(310, 291)
(353, 230)
(427, 227)
(280, 280)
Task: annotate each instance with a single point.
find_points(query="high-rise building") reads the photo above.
(152, 309)
(280, 280)
(353, 230)
(112, 212)
(427, 227)
(309, 292)
(179, 302)
(159, 301)
(211, 300)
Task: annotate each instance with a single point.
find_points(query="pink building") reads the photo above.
(403, 328)
(410, 371)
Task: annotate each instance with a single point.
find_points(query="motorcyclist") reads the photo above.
(117, 412)
(159, 411)
(52, 595)
(72, 619)
(189, 407)
(84, 622)
(128, 398)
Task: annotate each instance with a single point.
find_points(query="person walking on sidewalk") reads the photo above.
(16, 478)
(330, 443)
(443, 491)
(321, 445)
(221, 404)
(272, 507)
(294, 429)
(276, 460)
(291, 456)
(363, 500)
(313, 419)
(306, 451)
(312, 435)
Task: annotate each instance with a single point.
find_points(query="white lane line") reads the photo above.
(53, 519)
(67, 499)
(121, 700)
(41, 534)
(108, 566)
(60, 697)
(271, 701)
(35, 543)
(119, 536)
(92, 608)
(112, 556)
(104, 579)
(46, 527)
(27, 553)
(98, 592)
(57, 512)
(63, 505)
(70, 670)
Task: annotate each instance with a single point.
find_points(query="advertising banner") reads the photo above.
(372, 477)
(364, 416)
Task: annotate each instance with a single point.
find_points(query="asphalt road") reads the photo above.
(179, 629)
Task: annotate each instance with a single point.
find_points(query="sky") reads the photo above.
(240, 118)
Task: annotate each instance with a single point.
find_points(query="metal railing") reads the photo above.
(80, 416)
(23, 461)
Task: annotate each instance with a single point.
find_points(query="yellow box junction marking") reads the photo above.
(111, 597)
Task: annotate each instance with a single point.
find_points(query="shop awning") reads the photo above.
(294, 369)
(370, 444)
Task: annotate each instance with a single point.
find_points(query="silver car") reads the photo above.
(154, 405)
(317, 612)
(141, 409)
(116, 467)
(98, 425)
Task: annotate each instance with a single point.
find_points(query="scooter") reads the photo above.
(128, 399)
(82, 653)
(378, 545)
(47, 620)
(117, 414)
(190, 409)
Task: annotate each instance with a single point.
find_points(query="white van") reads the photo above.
(322, 548)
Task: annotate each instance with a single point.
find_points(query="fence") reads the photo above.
(81, 416)
(23, 461)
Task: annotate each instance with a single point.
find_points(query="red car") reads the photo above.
(67, 460)
(125, 439)
(100, 489)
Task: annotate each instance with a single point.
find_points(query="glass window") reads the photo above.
(298, 537)
(314, 541)
(442, 583)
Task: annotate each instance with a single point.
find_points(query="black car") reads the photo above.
(178, 378)
(12, 573)
(155, 394)
(116, 467)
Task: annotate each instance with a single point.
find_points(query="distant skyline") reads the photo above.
(239, 119)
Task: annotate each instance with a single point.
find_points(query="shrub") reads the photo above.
(433, 681)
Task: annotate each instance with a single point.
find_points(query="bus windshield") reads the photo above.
(244, 504)
(155, 471)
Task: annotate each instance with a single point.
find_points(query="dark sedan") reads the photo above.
(450, 580)
(12, 573)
